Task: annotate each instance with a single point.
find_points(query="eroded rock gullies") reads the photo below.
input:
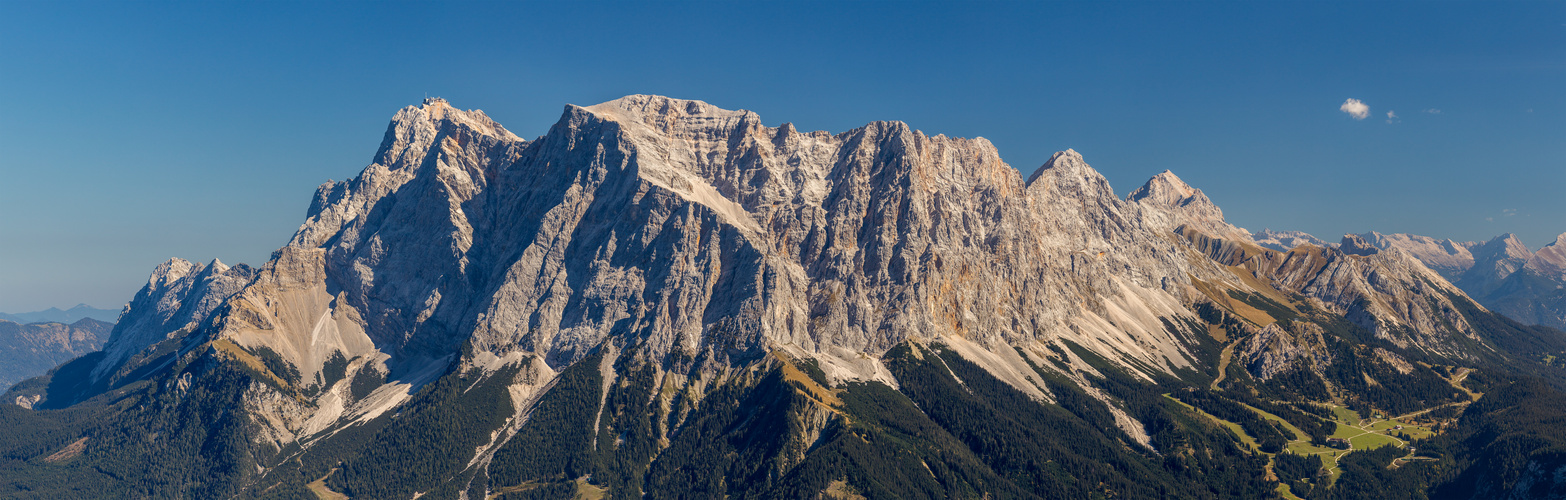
(696, 230)
(178, 298)
(700, 240)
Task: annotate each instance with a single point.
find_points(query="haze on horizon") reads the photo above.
(140, 132)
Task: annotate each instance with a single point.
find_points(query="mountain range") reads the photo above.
(54, 314)
(29, 350)
(1502, 274)
(663, 298)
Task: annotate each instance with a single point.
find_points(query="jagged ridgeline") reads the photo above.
(663, 298)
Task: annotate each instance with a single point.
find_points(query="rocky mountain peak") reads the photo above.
(1494, 260)
(670, 115)
(1166, 189)
(169, 271)
(1503, 248)
(1067, 172)
(436, 117)
(178, 297)
(1446, 257)
(1354, 244)
(1189, 206)
(1551, 260)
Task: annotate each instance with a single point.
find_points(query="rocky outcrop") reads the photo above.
(1384, 291)
(1189, 206)
(178, 297)
(1276, 349)
(1353, 244)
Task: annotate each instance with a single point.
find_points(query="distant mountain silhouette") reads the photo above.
(63, 316)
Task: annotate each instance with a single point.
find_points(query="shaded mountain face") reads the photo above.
(663, 297)
(1448, 258)
(29, 350)
(1494, 260)
(1536, 293)
(1502, 274)
(55, 315)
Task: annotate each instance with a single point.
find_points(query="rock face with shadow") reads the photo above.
(657, 279)
(29, 350)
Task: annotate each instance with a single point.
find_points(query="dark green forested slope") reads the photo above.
(773, 428)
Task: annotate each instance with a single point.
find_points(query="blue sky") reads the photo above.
(138, 131)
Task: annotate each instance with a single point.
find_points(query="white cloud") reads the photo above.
(1392, 117)
(1355, 108)
(1433, 111)
(1509, 212)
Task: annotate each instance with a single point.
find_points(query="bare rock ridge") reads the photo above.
(1494, 260)
(178, 297)
(1492, 272)
(676, 246)
(687, 231)
(1353, 244)
(1447, 257)
(1191, 206)
(1284, 241)
(693, 230)
(1502, 274)
(1550, 261)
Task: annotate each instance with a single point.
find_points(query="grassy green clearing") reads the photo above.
(1361, 434)
(1372, 440)
(1305, 448)
(1413, 431)
(1345, 416)
(1283, 490)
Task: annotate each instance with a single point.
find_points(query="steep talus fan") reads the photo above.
(663, 297)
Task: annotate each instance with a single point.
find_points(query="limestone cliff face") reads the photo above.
(1384, 291)
(179, 296)
(691, 229)
(1188, 206)
(1276, 349)
(699, 239)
